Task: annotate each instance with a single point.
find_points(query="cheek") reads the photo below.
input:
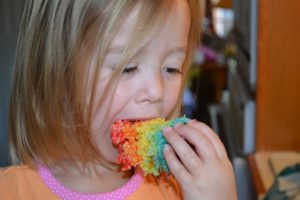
(172, 96)
(120, 99)
(99, 109)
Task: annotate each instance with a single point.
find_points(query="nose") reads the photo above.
(151, 88)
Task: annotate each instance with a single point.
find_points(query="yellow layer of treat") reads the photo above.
(146, 143)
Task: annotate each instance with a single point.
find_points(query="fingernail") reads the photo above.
(193, 121)
(176, 126)
(167, 148)
(167, 130)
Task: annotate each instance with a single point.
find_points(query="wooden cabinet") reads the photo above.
(278, 87)
(278, 77)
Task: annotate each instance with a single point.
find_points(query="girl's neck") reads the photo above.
(92, 178)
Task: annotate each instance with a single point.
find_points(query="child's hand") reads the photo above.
(201, 166)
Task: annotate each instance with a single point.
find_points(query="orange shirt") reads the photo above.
(22, 182)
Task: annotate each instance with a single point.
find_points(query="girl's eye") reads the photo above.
(129, 69)
(171, 70)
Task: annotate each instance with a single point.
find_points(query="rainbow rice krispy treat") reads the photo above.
(141, 143)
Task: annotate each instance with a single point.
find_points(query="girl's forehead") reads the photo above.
(126, 28)
(173, 32)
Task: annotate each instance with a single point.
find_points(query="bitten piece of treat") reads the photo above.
(141, 143)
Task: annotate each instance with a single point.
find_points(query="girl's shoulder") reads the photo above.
(14, 169)
(21, 182)
(17, 173)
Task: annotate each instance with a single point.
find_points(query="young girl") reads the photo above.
(81, 65)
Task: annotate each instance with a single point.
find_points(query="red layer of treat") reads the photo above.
(124, 138)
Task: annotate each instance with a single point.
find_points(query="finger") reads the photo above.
(204, 147)
(184, 151)
(177, 169)
(214, 138)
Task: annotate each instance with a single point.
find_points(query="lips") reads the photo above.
(138, 119)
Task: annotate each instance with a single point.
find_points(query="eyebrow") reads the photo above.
(175, 50)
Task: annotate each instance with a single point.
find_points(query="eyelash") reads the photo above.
(129, 70)
(174, 71)
(169, 70)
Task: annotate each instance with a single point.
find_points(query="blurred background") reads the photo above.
(10, 16)
(244, 83)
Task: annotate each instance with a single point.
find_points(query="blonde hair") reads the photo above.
(48, 120)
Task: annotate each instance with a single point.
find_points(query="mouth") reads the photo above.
(133, 120)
